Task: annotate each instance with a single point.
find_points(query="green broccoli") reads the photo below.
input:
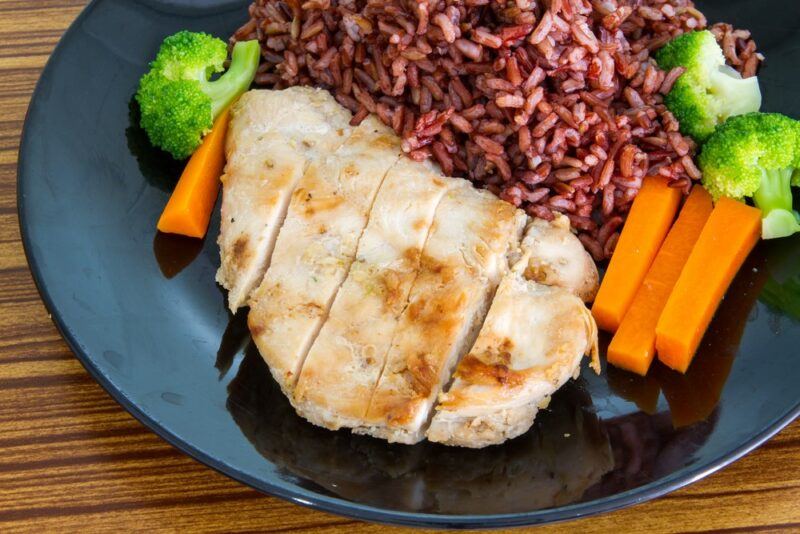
(177, 97)
(709, 91)
(756, 155)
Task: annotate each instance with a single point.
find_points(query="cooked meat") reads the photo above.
(272, 138)
(345, 361)
(557, 258)
(374, 275)
(464, 259)
(531, 343)
(316, 246)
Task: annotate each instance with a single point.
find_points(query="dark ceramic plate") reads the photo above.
(143, 314)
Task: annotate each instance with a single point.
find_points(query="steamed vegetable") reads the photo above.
(709, 91)
(731, 232)
(648, 222)
(634, 344)
(178, 99)
(757, 155)
(189, 208)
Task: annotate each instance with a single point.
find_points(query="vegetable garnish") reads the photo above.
(648, 222)
(756, 155)
(633, 346)
(179, 102)
(189, 208)
(709, 91)
(729, 235)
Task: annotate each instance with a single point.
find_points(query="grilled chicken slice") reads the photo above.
(272, 138)
(345, 361)
(463, 261)
(557, 258)
(531, 343)
(316, 246)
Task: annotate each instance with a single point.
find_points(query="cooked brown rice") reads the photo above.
(553, 105)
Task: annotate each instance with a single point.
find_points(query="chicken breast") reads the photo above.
(557, 258)
(463, 261)
(316, 246)
(273, 136)
(531, 343)
(345, 361)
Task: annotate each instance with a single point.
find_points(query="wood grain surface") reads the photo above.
(72, 459)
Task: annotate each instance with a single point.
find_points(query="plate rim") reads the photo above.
(335, 505)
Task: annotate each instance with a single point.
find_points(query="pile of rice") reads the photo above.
(554, 105)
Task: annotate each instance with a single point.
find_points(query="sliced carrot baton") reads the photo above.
(188, 210)
(730, 234)
(648, 222)
(634, 344)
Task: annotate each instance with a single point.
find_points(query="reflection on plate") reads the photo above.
(568, 456)
(565, 453)
(692, 397)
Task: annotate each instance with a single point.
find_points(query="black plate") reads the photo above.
(144, 315)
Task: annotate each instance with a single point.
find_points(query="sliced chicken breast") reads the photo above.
(316, 246)
(463, 261)
(557, 258)
(272, 138)
(531, 343)
(345, 361)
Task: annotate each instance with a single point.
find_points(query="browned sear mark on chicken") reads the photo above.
(475, 371)
(391, 288)
(419, 224)
(241, 251)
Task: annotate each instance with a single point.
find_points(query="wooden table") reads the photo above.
(71, 458)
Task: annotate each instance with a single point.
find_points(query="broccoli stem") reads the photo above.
(734, 95)
(237, 79)
(774, 199)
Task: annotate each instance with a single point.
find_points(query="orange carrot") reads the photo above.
(189, 208)
(649, 220)
(730, 234)
(634, 344)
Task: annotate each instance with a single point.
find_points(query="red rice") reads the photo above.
(553, 105)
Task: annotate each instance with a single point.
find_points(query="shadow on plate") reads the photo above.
(234, 339)
(568, 456)
(159, 168)
(565, 453)
(175, 252)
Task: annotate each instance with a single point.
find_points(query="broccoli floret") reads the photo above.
(756, 155)
(178, 99)
(709, 91)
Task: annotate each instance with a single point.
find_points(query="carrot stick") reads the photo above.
(649, 220)
(634, 344)
(728, 237)
(189, 208)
